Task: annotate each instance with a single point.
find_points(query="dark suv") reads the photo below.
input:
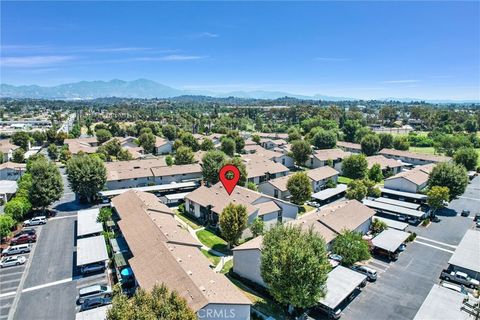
(28, 231)
(23, 238)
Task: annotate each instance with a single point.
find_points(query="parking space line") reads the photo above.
(438, 242)
(63, 217)
(468, 198)
(47, 285)
(7, 294)
(10, 281)
(432, 246)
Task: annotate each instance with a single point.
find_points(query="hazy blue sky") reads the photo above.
(359, 49)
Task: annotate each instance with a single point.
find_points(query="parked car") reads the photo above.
(12, 261)
(369, 272)
(413, 220)
(35, 221)
(331, 313)
(465, 213)
(23, 238)
(22, 248)
(435, 219)
(477, 224)
(392, 256)
(29, 231)
(95, 303)
(477, 217)
(93, 268)
(95, 291)
(402, 218)
(459, 277)
(402, 247)
(335, 257)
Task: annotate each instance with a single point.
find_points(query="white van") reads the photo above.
(95, 291)
(18, 249)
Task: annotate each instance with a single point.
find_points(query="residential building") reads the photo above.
(320, 158)
(261, 169)
(6, 150)
(207, 205)
(271, 144)
(411, 181)
(386, 164)
(11, 170)
(467, 255)
(349, 146)
(163, 146)
(165, 252)
(412, 157)
(7, 189)
(274, 155)
(85, 145)
(329, 222)
(147, 172)
(320, 176)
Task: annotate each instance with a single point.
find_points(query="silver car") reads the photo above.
(12, 261)
(369, 272)
(35, 221)
(18, 249)
(95, 291)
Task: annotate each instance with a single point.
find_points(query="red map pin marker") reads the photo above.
(229, 176)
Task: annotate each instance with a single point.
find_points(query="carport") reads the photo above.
(467, 255)
(99, 313)
(341, 282)
(394, 224)
(413, 197)
(91, 250)
(152, 189)
(404, 204)
(393, 209)
(390, 239)
(87, 223)
(329, 194)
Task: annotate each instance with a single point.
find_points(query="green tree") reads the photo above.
(160, 303)
(301, 151)
(401, 143)
(17, 208)
(437, 196)
(53, 152)
(355, 166)
(300, 188)
(169, 160)
(39, 137)
(356, 190)
(124, 155)
(184, 155)
(252, 186)
(468, 157)
(104, 215)
(370, 144)
(361, 133)
(256, 138)
(375, 173)
(6, 225)
(350, 129)
(378, 226)
(233, 222)
(212, 162)
(351, 246)
(86, 175)
(372, 189)
(207, 145)
(471, 126)
(324, 139)
(453, 176)
(24, 185)
(294, 135)
(386, 140)
(147, 142)
(257, 227)
(330, 184)
(18, 155)
(228, 146)
(189, 140)
(239, 144)
(294, 265)
(47, 185)
(21, 139)
(103, 135)
(65, 155)
(169, 131)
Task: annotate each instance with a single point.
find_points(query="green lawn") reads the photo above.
(213, 258)
(304, 209)
(212, 241)
(431, 150)
(343, 180)
(260, 303)
(227, 266)
(188, 220)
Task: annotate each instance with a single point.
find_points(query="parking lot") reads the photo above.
(403, 285)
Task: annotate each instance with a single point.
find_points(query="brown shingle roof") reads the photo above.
(119, 170)
(6, 146)
(321, 173)
(413, 155)
(176, 169)
(280, 183)
(81, 144)
(164, 252)
(349, 145)
(258, 166)
(417, 176)
(383, 162)
(330, 154)
(13, 165)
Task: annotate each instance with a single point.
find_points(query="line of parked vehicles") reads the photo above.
(21, 243)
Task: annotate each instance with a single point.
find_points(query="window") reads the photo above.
(275, 193)
(279, 216)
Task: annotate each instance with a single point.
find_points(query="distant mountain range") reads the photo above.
(144, 88)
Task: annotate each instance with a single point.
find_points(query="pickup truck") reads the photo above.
(459, 277)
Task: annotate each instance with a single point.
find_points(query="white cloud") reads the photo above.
(119, 49)
(33, 61)
(402, 81)
(172, 57)
(206, 35)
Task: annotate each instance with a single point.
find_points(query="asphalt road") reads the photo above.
(402, 286)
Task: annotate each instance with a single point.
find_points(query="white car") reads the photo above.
(35, 221)
(12, 261)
